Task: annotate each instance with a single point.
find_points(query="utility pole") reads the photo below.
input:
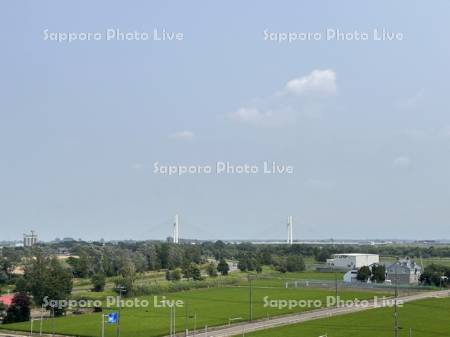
(119, 318)
(170, 321)
(53, 321)
(103, 325)
(195, 323)
(172, 329)
(186, 317)
(42, 318)
(336, 286)
(395, 301)
(250, 298)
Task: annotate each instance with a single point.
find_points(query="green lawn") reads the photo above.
(268, 278)
(436, 260)
(276, 279)
(426, 318)
(212, 306)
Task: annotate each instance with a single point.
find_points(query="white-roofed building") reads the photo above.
(352, 261)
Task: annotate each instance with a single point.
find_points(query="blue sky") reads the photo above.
(364, 123)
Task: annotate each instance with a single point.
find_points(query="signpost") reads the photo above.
(112, 318)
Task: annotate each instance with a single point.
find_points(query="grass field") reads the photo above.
(275, 279)
(427, 318)
(268, 278)
(211, 307)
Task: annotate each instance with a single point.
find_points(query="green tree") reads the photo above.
(176, 275)
(150, 253)
(211, 269)
(168, 275)
(140, 261)
(322, 255)
(45, 277)
(436, 275)
(98, 282)
(279, 264)
(378, 273)
(192, 271)
(125, 282)
(195, 272)
(363, 274)
(266, 257)
(186, 270)
(19, 310)
(295, 263)
(6, 270)
(223, 267)
(242, 265)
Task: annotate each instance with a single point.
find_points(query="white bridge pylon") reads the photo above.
(175, 229)
(290, 238)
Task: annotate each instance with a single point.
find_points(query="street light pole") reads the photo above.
(250, 298)
(186, 317)
(103, 325)
(170, 321)
(121, 289)
(395, 302)
(195, 322)
(42, 318)
(336, 284)
(53, 321)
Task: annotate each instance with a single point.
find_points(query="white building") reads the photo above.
(30, 240)
(352, 261)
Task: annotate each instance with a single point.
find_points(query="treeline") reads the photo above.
(113, 260)
(435, 275)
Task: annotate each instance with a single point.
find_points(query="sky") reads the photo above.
(362, 120)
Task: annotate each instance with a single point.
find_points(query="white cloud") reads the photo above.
(182, 135)
(402, 162)
(259, 117)
(322, 82)
(300, 95)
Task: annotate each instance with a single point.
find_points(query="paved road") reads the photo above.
(5, 333)
(238, 329)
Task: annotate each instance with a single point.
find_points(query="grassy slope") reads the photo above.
(427, 318)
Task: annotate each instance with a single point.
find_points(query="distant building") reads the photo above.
(352, 261)
(350, 276)
(29, 240)
(405, 271)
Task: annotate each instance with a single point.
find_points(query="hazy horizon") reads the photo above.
(348, 133)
